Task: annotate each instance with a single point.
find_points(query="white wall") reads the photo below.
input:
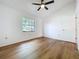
(61, 25)
(77, 13)
(10, 26)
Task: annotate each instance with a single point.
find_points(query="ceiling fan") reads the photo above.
(43, 4)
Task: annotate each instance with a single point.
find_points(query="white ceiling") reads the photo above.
(26, 6)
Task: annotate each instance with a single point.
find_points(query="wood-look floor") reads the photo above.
(41, 48)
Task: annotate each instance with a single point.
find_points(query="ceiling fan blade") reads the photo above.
(38, 8)
(46, 8)
(36, 4)
(49, 2)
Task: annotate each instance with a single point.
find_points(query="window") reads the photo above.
(28, 25)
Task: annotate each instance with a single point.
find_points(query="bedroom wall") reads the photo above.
(61, 25)
(77, 14)
(10, 26)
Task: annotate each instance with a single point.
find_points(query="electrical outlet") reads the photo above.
(62, 29)
(6, 37)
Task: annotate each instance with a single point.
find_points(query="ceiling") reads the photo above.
(26, 6)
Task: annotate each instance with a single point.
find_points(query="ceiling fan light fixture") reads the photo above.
(42, 6)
